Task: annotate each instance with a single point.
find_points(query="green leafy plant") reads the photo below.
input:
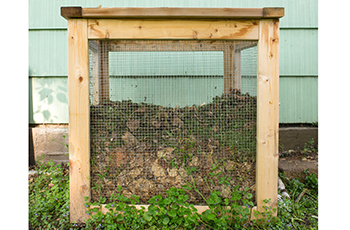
(49, 207)
(49, 197)
(310, 146)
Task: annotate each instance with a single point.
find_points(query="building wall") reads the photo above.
(48, 89)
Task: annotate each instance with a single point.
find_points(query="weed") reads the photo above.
(310, 146)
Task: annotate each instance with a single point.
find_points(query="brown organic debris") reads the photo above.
(148, 149)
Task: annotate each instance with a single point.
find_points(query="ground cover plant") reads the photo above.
(49, 207)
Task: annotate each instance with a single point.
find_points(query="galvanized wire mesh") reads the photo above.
(172, 113)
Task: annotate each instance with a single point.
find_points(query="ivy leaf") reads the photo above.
(172, 213)
(166, 220)
(249, 196)
(208, 215)
(147, 217)
(119, 217)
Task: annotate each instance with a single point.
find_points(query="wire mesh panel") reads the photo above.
(168, 113)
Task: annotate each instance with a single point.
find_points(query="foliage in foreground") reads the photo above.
(49, 198)
(49, 207)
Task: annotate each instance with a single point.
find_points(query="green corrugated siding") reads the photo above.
(166, 63)
(299, 99)
(298, 13)
(298, 52)
(48, 53)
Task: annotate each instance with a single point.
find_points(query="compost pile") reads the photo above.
(147, 149)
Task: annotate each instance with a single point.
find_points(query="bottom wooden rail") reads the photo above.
(200, 209)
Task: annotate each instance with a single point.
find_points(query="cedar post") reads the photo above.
(229, 78)
(79, 119)
(100, 71)
(237, 69)
(103, 62)
(267, 113)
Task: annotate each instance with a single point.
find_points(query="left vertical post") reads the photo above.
(79, 119)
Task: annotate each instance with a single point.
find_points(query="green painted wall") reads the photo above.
(48, 100)
(298, 52)
(48, 97)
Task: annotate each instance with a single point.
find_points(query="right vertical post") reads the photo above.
(267, 113)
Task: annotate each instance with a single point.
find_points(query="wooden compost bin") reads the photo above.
(244, 24)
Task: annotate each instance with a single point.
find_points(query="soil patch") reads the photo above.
(293, 163)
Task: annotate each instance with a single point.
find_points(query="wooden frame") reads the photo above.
(254, 24)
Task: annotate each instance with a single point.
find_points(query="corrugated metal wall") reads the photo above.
(48, 92)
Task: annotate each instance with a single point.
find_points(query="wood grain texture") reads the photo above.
(267, 112)
(79, 131)
(172, 29)
(183, 12)
(237, 69)
(273, 12)
(229, 80)
(103, 70)
(94, 47)
(71, 12)
(172, 12)
(200, 209)
(173, 45)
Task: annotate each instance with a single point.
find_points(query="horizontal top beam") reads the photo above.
(172, 13)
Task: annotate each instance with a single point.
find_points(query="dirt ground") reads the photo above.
(294, 162)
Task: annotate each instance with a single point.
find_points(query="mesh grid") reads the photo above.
(164, 113)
